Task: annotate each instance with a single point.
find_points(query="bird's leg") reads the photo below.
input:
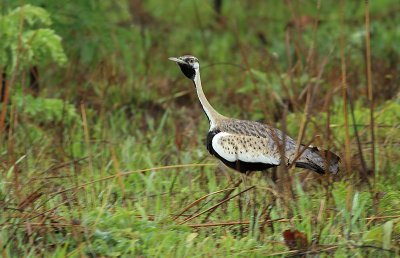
(224, 169)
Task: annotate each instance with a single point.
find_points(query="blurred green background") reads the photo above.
(88, 93)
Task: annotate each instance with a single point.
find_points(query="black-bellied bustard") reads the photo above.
(252, 146)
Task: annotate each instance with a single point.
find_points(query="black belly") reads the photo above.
(238, 165)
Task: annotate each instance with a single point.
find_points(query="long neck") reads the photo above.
(212, 115)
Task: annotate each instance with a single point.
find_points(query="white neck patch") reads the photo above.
(203, 101)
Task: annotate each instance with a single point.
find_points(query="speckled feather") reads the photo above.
(255, 138)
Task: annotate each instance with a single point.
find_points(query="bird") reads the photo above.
(248, 146)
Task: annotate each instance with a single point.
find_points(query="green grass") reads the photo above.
(109, 159)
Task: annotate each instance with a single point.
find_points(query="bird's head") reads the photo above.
(189, 65)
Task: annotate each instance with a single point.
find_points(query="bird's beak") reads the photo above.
(177, 60)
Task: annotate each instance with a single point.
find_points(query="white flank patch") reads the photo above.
(227, 150)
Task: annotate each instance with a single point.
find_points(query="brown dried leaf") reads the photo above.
(295, 239)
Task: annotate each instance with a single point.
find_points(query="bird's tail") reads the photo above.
(319, 161)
